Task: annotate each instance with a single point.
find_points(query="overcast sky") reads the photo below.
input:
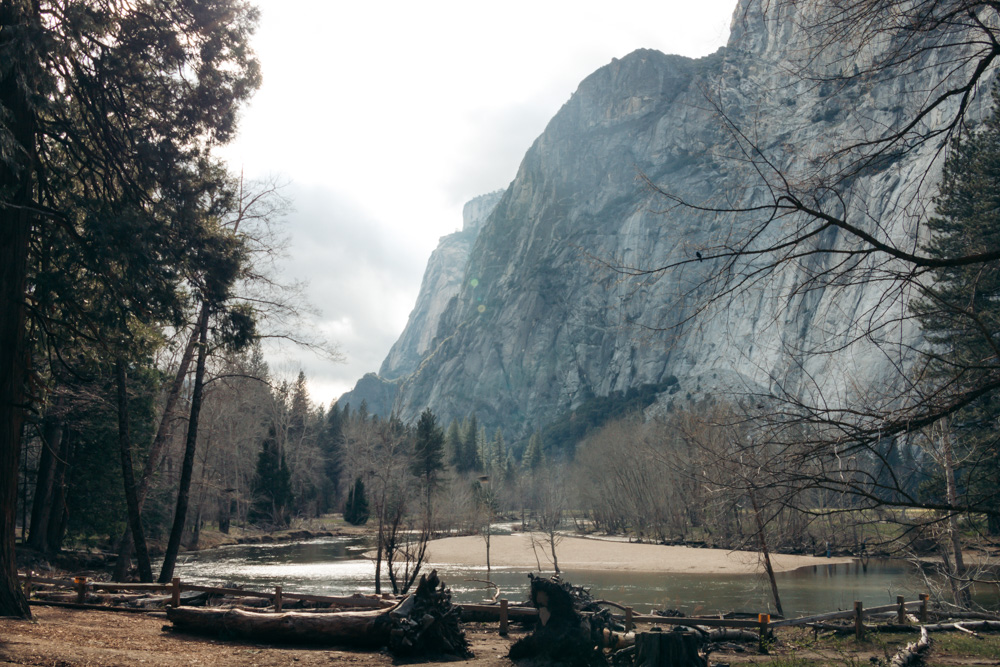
(386, 117)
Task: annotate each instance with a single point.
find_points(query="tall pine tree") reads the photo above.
(960, 314)
(272, 486)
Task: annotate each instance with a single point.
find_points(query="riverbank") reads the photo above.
(531, 552)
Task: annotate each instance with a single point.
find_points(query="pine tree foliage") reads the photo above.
(960, 308)
(428, 448)
(272, 487)
(356, 507)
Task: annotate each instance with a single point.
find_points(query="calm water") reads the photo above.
(336, 566)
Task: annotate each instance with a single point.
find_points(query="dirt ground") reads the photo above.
(59, 637)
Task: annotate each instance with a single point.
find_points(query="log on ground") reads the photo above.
(424, 623)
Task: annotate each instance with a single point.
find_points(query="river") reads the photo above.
(337, 566)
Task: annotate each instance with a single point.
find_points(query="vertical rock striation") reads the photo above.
(537, 320)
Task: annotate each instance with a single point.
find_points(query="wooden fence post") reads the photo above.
(175, 592)
(277, 599)
(924, 597)
(859, 625)
(763, 620)
(629, 624)
(27, 584)
(81, 589)
(901, 611)
(503, 617)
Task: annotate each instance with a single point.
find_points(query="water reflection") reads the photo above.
(336, 566)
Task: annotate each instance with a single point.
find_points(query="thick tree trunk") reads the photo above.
(364, 629)
(41, 507)
(187, 468)
(15, 231)
(156, 451)
(131, 499)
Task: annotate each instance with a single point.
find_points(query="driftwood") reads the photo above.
(961, 626)
(914, 653)
(423, 623)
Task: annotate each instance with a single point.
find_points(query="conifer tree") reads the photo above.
(428, 456)
(88, 158)
(356, 507)
(470, 446)
(960, 311)
(532, 457)
(272, 486)
(453, 441)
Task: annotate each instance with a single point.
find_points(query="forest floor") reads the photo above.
(59, 637)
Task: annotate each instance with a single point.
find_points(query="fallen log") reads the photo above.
(914, 653)
(363, 629)
(424, 623)
(961, 626)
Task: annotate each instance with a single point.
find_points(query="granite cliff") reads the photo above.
(539, 310)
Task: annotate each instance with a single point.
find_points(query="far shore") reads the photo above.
(589, 554)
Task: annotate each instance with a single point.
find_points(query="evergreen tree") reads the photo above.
(272, 486)
(498, 455)
(453, 441)
(470, 445)
(428, 456)
(428, 448)
(532, 458)
(356, 507)
(86, 141)
(960, 311)
(331, 440)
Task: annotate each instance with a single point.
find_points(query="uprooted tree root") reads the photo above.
(563, 635)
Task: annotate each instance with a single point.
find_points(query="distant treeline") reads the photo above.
(561, 435)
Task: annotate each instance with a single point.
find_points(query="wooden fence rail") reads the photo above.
(502, 612)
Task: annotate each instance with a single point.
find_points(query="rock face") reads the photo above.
(531, 320)
(441, 283)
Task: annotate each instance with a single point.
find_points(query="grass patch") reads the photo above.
(961, 645)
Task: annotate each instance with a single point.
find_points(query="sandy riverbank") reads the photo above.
(577, 553)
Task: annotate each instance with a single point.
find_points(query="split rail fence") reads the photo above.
(501, 612)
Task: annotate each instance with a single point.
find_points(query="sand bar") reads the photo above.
(577, 553)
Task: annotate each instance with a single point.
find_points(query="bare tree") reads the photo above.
(844, 212)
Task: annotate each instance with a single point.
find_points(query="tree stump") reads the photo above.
(668, 649)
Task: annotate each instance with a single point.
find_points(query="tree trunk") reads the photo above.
(424, 623)
(57, 513)
(959, 588)
(41, 507)
(363, 629)
(155, 452)
(766, 553)
(128, 478)
(15, 231)
(187, 468)
(225, 513)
